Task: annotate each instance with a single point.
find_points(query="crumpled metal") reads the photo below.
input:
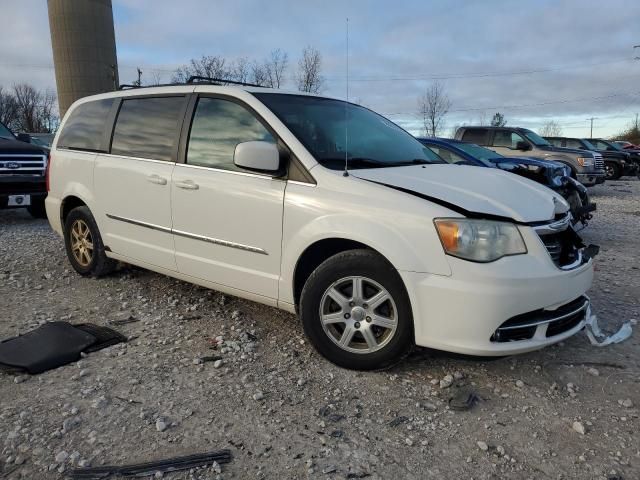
(599, 339)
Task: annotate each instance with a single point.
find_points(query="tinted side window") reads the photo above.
(505, 138)
(477, 136)
(447, 155)
(218, 126)
(557, 142)
(84, 129)
(148, 127)
(575, 144)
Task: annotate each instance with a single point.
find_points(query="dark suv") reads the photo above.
(611, 147)
(22, 174)
(586, 167)
(616, 164)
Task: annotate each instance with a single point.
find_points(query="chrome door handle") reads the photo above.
(187, 185)
(157, 179)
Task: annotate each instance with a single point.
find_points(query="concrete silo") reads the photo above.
(84, 48)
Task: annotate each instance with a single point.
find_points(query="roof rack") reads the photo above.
(218, 81)
(192, 80)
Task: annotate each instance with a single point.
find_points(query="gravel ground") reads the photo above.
(568, 411)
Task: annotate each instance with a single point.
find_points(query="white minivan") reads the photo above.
(244, 190)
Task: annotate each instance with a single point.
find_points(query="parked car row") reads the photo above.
(618, 161)
(373, 239)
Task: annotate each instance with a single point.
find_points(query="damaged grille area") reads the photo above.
(563, 244)
(542, 323)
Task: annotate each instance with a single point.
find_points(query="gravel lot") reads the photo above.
(569, 411)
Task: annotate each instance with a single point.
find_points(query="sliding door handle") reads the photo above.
(157, 179)
(187, 185)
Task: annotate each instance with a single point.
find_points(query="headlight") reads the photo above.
(479, 240)
(585, 161)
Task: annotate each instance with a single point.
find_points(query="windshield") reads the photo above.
(371, 141)
(536, 139)
(613, 145)
(479, 153)
(6, 133)
(589, 145)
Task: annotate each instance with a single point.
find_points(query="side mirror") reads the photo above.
(257, 156)
(24, 137)
(524, 146)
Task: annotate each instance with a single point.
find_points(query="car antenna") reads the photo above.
(346, 115)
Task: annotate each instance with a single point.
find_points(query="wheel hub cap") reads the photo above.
(358, 314)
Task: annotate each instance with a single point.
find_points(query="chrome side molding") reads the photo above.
(215, 241)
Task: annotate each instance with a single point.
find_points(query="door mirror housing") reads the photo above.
(524, 146)
(258, 156)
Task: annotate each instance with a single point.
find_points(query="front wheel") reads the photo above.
(356, 311)
(612, 171)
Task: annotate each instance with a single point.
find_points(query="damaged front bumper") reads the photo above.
(514, 305)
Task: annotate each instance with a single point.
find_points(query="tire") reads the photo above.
(372, 345)
(37, 210)
(80, 225)
(612, 170)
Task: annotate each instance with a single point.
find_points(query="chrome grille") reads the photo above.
(17, 164)
(599, 162)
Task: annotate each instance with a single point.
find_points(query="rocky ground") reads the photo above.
(569, 411)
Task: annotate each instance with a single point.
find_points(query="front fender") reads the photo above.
(402, 231)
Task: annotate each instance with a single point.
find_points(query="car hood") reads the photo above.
(473, 191)
(527, 161)
(571, 151)
(17, 147)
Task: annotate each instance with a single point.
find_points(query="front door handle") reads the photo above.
(187, 185)
(157, 179)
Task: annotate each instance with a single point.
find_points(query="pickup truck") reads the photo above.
(586, 167)
(22, 174)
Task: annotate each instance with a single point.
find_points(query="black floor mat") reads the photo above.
(54, 344)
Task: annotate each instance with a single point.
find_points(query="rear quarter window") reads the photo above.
(85, 127)
(479, 136)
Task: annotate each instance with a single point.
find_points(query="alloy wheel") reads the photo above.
(358, 314)
(81, 242)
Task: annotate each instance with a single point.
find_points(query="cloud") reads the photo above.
(583, 46)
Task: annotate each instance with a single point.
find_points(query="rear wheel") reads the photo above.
(356, 312)
(612, 171)
(84, 246)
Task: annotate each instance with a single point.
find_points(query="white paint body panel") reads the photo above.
(456, 304)
(230, 207)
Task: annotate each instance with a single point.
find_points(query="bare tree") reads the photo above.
(276, 67)
(156, 78)
(240, 70)
(206, 66)
(308, 76)
(259, 74)
(498, 120)
(35, 109)
(434, 105)
(8, 108)
(551, 129)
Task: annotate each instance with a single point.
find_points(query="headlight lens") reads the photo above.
(479, 240)
(585, 161)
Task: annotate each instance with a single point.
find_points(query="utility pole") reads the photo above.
(592, 119)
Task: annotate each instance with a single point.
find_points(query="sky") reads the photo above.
(533, 60)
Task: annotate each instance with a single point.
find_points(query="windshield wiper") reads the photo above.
(355, 161)
(415, 161)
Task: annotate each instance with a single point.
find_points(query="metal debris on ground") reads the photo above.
(150, 468)
(463, 400)
(599, 339)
